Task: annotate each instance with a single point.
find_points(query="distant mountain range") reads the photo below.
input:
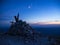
(45, 25)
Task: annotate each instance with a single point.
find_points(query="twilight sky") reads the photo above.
(32, 11)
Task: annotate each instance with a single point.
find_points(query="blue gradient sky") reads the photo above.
(30, 10)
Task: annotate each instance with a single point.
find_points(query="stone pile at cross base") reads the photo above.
(20, 27)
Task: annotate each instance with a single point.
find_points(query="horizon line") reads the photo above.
(45, 23)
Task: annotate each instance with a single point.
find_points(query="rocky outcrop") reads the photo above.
(20, 27)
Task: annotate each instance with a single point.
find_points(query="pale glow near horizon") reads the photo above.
(48, 23)
(44, 23)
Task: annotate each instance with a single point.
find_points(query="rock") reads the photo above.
(20, 27)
